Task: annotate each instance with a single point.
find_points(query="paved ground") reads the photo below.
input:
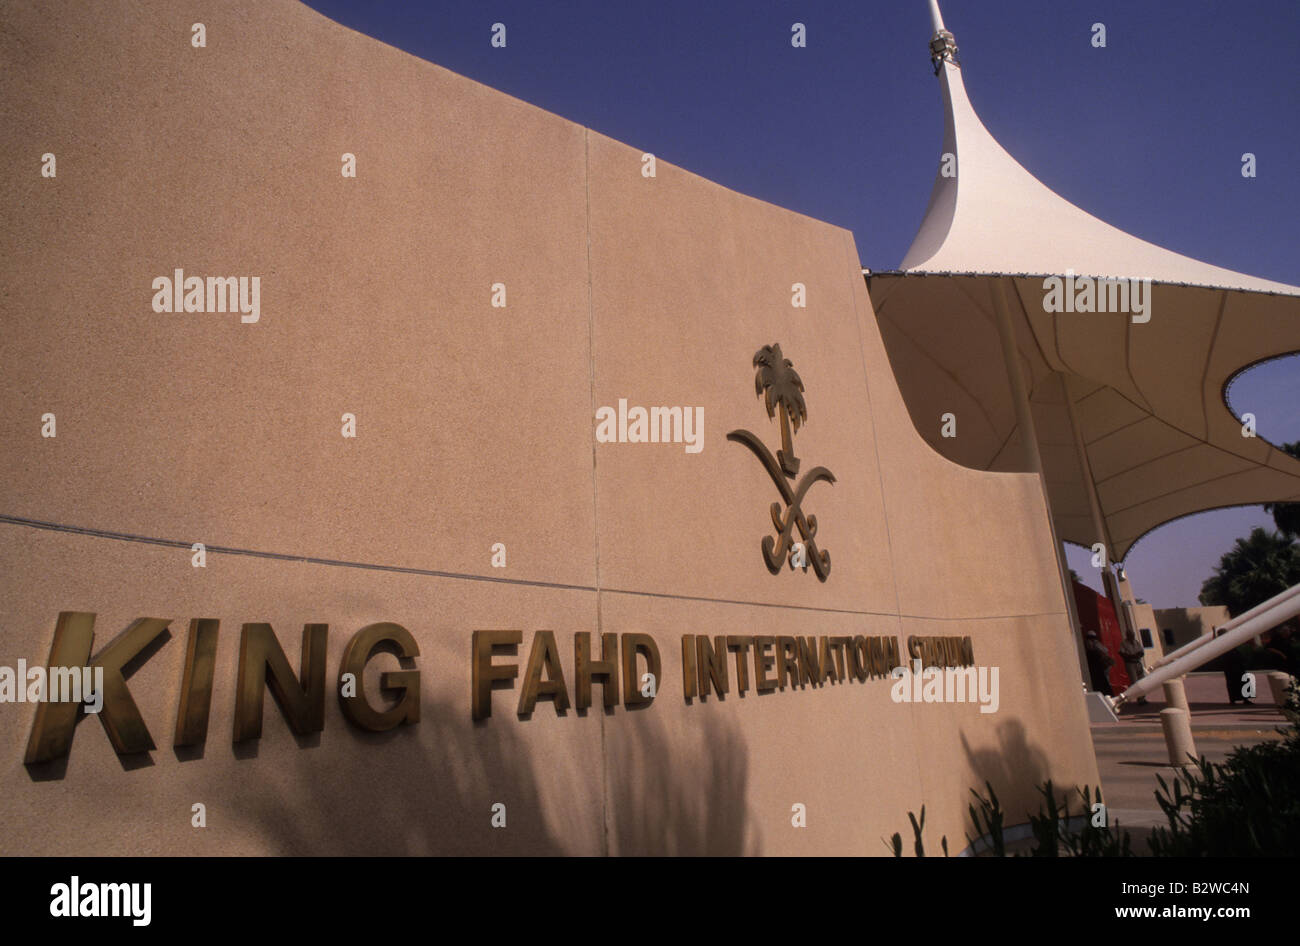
(1132, 751)
(1207, 698)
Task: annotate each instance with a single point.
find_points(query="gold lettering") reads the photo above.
(262, 664)
(196, 684)
(859, 655)
(584, 668)
(788, 665)
(713, 664)
(764, 661)
(543, 656)
(688, 666)
(634, 644)
(485, 675)
(741, 645)
(837, 645)
(404, 684)
(810, 667)
(827, 662)
(55, 722)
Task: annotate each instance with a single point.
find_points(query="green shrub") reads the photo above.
(1246, 806)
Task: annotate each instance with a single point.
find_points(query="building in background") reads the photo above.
(1179, 626)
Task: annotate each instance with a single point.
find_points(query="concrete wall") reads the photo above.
(475, 426)
(1145, 617)
(1189, 623)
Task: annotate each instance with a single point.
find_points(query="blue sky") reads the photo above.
(1146, 133)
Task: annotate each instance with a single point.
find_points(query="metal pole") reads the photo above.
(1185, 649)
(1033, 459)
(936, 18)
(1235, 622)
(1268, 615)
(1109, 581)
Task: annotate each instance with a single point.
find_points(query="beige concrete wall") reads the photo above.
(1145, 616)
(1190, 623)
(475, 426)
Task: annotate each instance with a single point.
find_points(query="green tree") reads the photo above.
(1257, 568)
(1286, 516)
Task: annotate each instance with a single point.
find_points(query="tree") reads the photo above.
(781, 388)
(1286, 516)
(1257, 568)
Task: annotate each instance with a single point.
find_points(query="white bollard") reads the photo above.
(1278, 681)
(1177, 725)
(1176, 695)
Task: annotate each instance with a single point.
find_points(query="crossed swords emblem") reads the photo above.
(776, 381)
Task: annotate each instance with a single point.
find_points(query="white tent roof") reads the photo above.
(1148, 398)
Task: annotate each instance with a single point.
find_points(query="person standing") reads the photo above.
(1291, 641)
(1133, 653)
(1099, 663)
(1234, 669)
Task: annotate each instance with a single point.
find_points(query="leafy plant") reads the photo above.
(1050, 827)
(1286, 516)
(990, 812)
(1094, 840)
(1255, 569)
(896, 842)
(1248, 805)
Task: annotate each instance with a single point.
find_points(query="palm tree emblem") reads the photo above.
(781, 389)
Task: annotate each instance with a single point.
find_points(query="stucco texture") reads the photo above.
(475, 426)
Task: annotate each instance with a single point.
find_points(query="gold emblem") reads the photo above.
(781, 388)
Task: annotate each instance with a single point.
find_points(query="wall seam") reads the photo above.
(6, 519)
(861, 283)
(595, 503)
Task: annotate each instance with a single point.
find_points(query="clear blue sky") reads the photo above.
(1146, 133)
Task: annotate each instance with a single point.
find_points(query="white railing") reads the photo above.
(1235, 622)
(1256, 621)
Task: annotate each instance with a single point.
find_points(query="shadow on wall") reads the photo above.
(417, 790)
(429, 790)
(688, 801)
(1015, 767)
